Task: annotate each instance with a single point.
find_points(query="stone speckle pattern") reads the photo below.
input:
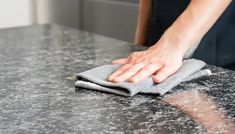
(37, 94)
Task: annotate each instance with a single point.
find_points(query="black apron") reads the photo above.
(218, 45)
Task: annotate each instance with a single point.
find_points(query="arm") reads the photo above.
(195, 22)
(165, 57)
(143, 22)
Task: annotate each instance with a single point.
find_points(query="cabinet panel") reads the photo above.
(61, 12)
(111, 18)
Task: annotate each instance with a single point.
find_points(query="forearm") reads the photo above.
(143, 22)
(194, 23)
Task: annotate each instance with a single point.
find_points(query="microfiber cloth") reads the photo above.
(96, 79)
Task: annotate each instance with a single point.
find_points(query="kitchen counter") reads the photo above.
(37, 93)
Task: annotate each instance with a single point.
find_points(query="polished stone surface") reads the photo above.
(37, 93)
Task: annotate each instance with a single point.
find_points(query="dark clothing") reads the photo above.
(218, 45)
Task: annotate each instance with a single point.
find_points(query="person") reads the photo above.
(172, 29)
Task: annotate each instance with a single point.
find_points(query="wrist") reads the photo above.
(179, 41)
(164, 46)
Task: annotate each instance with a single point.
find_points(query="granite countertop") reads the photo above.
(37, 93)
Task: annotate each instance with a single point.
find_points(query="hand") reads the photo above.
(159, 61)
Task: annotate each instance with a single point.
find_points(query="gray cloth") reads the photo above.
(96, 79)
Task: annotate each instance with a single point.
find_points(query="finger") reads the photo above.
(120, 61)
(129, 72)
(145, 72)
(163, 74)
(119, 71)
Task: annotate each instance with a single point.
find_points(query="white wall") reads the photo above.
(15, 13)
(43, 11)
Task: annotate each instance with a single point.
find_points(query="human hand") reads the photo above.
(159, 61)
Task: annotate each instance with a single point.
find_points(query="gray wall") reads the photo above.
(62, 12)
(65, 12)
(113, 18)
(110, 18)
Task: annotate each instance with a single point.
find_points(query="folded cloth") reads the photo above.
(96, 79)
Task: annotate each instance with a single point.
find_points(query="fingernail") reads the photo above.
(110, 78)
(117, 80)
(133, 80)
(157, 79)
(113, 62)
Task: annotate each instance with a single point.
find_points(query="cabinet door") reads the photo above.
(61, 12)
(112, 18)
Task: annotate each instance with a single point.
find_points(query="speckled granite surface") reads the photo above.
(37, 92)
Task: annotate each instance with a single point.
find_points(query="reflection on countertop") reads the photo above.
(37, 91)
(204, 110)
